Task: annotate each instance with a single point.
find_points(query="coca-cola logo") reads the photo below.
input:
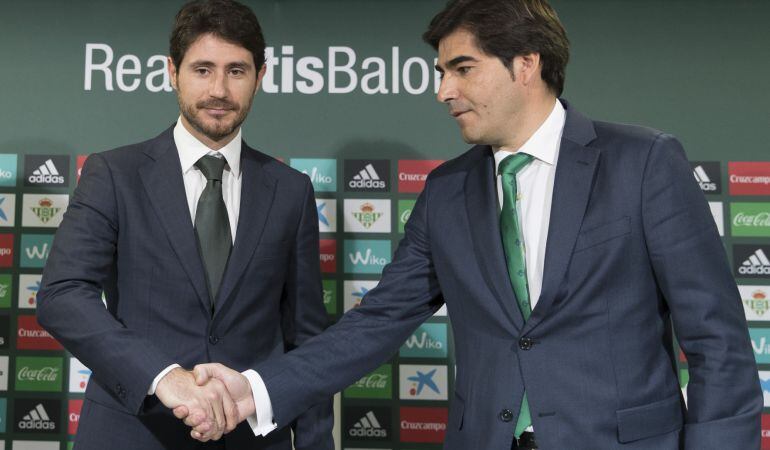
(48, 373)
(752, 220)
(373, 381)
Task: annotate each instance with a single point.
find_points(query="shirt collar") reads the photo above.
(191, 150)
(544, 143)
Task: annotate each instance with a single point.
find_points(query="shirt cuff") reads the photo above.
(261, 422)
(157, 379)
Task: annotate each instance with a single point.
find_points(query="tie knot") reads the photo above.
(512, 164)
(212, 167)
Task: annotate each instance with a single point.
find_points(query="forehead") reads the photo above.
(460, 42)
(209, 47)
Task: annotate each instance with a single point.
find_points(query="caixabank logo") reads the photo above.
(417, 382)
(367, 423)
(355, 290)
(428, 341)
(7, 210)
(377, 384)
(327, 215)
(751, 261)
(708, 175)
(46, 170)
(79, 376)
(38, 373)
(29, 285)
(39, 415)
(367, 175)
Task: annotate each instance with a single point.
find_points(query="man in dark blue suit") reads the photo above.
(568, 252)
(206, 250)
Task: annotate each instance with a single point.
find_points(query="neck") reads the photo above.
(527, 121)
(213, 144)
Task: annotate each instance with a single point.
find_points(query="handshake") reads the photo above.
(212, 399)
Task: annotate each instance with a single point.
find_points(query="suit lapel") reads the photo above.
(163, 182)
(572, 189)
(482, 206)
(257, 191)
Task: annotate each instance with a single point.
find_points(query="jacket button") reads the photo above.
(120, 391)
(506, 415)
(213, 340)
(525, 343)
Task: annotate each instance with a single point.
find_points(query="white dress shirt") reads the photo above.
(190, 151)
(534, 191)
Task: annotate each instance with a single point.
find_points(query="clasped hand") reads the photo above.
(211, 399)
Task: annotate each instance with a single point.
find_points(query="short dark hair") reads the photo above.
(226, 19)
(508, 28)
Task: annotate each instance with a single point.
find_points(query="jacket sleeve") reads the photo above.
(303, 316)
(690, 265)
(81, 261)
(366, 336)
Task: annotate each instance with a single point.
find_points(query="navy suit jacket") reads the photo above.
(128, 232)
(632, 249)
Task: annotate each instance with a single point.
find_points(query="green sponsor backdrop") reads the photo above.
(87, 75)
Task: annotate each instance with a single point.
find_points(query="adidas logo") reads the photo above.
(703, 179)
(367, 178)
(46, 174)
(37, 419)
(756, 264)
(368, 426)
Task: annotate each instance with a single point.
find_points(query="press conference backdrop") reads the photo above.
(349, 98)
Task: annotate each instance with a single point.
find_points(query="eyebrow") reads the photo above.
(233, 65)
(455, 61)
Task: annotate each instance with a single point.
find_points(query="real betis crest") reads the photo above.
(758, 302)
(45, 211)
(367, 216)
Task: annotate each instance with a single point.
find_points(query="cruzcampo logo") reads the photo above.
(428, 341)
(330, 296)
(750, 219)
(6, 286)
(322, 172)
(405, 208)
(39, 374)
(378, 384)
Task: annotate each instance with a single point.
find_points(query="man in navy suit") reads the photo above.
(568, 252)
(206, 249)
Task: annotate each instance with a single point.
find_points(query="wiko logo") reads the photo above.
(8, 169)
(322, 172)
(760, 343)
(366, 256)
(35, 249)
(428, 341)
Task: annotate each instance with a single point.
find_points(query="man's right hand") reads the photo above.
(211, 405)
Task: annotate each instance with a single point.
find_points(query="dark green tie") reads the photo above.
(212, 225)
(513, 244)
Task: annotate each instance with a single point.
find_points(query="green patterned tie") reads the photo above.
(513, 244)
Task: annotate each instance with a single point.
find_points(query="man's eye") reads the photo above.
(463, 70)
(201, 71)
(237, 72)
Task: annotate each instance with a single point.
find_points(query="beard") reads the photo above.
(220, 128)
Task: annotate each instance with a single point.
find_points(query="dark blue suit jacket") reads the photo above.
(128, 232)
(632, 248)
